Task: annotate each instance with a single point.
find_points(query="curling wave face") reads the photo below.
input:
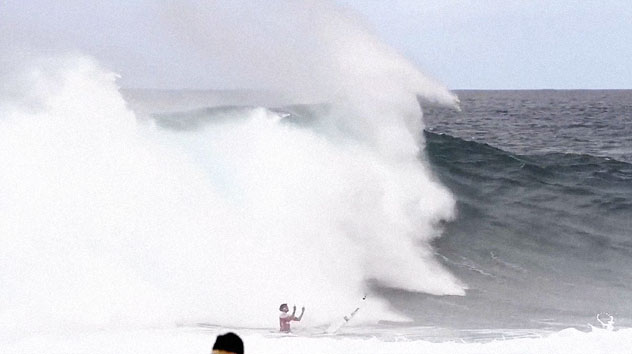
(541, 239)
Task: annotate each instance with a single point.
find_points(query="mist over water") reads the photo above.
(111, 222)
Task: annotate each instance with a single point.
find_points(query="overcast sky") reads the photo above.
(486, 44)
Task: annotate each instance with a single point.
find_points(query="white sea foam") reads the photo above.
(108, 223)
(185, 341)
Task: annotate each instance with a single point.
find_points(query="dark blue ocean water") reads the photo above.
(543, 236)
(590, 122)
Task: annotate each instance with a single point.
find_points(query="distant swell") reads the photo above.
(598, 182)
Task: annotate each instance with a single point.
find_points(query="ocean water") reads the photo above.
(543, 189)
(145, 221)
(541, 238)
(543, 181)
(150, 221)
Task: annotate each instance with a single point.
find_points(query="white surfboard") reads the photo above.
(336, 325)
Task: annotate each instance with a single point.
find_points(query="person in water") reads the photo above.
(285, 318)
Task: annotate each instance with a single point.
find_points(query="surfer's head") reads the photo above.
(284, 308)
(228, 343)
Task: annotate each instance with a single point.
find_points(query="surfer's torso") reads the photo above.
(284, 321)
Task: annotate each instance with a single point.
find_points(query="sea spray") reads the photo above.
(107, 223)
(316, 51)
(110, 223)
(88, 217)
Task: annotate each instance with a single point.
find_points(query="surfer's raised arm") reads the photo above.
(293, 316)
(301, 315)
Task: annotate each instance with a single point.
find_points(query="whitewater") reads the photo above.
(144, 223)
